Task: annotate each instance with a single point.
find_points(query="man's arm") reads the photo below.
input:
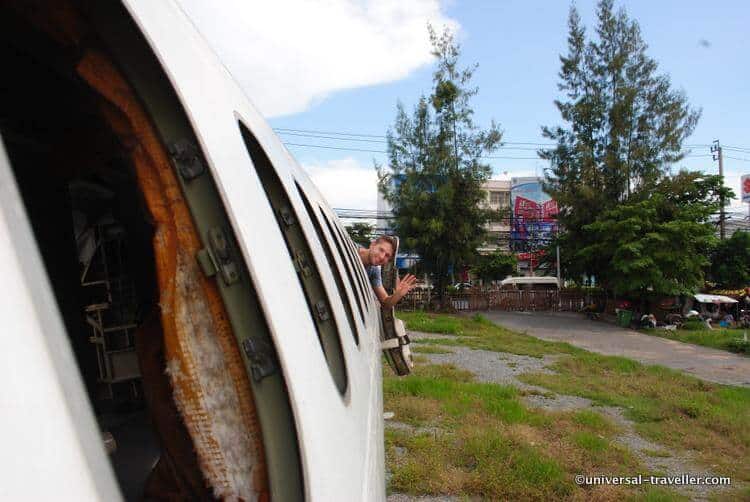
(402, 287)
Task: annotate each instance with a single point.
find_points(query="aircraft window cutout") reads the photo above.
(346, 257)
(332, 264)
(301, 254)
(357, 267)
(349, 243)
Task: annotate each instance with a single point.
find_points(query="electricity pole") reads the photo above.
(716, 155)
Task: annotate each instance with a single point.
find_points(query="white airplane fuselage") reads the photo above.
(51, 441)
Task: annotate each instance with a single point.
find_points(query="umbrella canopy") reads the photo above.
(714, 299)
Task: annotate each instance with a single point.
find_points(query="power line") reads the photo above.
(495, 157)
(337, 138)
(382, 137)
(281, 129)
(336, 148)
(489, 157)
(737, 148)
(352, 136)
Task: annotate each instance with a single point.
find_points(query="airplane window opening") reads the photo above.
(359, 269)
(332, 265)
(351, 265)
(299, 250)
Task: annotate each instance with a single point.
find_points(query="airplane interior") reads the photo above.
(112, 230)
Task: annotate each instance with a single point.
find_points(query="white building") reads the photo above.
(497, 199)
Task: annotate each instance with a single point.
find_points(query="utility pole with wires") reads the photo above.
(716, 155)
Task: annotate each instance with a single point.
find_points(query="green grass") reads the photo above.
(592, 421)
(657, 453)
(459, 396)
(720, 338)
(590, 442)
(478, 462)
(668, 407)
(430, 350)
(671, 408)
(479, 440)
(420, 321)
(657, 494)
(479, 333)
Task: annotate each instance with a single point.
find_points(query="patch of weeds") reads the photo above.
(670, 408)
(537, 392)
(673, 409)
(480, 333)
(431, 323)
(721, 338)
(693, 325)
(460, 396)
(659, 494)
(447, 371)
(743, 494)
(477, 462)
(657, 453)
(592, 421)
(430, 350)
(590, 442)
(414, 411)
(483, 442)
(739, 345)
(480, 319)
(419, 359)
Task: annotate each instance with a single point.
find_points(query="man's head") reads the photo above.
(381, 250)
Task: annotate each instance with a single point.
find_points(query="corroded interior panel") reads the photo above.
(209, 384)
(211, 388)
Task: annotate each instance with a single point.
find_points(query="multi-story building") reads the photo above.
(498, 230)
(497, 199)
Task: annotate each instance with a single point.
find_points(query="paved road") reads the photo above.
(597, 336)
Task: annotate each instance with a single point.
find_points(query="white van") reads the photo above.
(530, 283)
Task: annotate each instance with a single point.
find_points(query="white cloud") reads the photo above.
(288, 54)
(345, 183)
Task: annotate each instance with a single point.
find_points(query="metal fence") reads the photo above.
(504, 299)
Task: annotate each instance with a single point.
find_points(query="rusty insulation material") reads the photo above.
(211, 387)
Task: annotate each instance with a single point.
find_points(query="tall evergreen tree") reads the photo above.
(624, 127)
(435, 176)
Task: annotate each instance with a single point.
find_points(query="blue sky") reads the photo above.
(703, 47)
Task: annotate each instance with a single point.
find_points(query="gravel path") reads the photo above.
(504, 368)
(703, 362)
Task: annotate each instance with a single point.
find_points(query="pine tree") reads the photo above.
(624, 127)
(435, 176)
